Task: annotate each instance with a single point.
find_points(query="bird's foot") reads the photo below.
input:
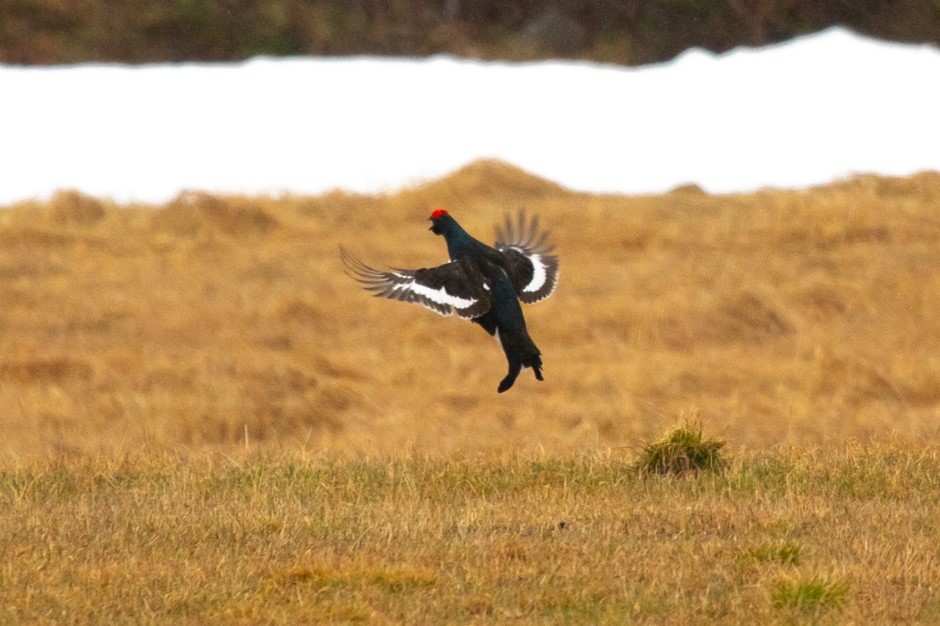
(507, 382)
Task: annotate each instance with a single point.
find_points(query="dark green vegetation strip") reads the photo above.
(640, 31)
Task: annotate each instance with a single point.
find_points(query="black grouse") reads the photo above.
(481, 283)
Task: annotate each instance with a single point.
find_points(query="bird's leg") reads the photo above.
(514, 368)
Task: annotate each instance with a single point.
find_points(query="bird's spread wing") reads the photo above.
(532, 268)
(445, 289)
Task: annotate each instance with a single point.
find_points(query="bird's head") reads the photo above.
(439, 219)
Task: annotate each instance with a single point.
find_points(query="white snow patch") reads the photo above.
(815, 109)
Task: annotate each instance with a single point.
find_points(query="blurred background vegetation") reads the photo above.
(620, 31)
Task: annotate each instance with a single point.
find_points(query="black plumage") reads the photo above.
(482, 283)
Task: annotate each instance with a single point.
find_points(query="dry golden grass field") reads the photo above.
(206, 421)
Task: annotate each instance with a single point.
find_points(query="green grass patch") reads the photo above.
(810, 595)
(389, 579)
(785, 554)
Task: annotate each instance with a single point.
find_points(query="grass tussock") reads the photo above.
(682, 451)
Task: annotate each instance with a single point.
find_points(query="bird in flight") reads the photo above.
(481, 283)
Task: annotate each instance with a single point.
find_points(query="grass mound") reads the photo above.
(681, 451)
(193, 211)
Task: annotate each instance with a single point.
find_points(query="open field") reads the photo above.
(791, 318)
(205, 419)
(842, 537)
